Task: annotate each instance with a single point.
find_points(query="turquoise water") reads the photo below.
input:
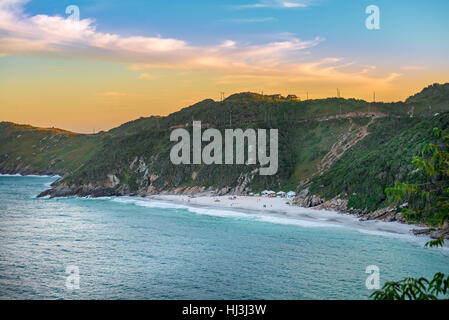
(141, 249)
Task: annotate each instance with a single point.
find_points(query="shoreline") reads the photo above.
(277, 211)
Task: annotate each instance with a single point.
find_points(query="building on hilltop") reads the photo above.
(293, 97)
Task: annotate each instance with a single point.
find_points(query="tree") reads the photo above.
(434, 163)
(415, 289)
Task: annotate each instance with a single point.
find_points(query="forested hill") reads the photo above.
(333, 148)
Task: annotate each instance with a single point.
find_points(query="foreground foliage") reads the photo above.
(434, 163)
(415, 289)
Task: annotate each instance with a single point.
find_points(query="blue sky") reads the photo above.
(123, 58)
(412, 27)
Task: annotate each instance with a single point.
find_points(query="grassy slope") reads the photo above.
(430, 100)
(381, 159)
(29, 149)
(362, 173)
(301, 144)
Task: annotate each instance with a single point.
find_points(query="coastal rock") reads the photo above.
(104, 192)
(315, 201)
(441, 233)
(224, 191)
(335, 204)
(62, 190)
(400, 218)
(385, 214)
(419, 232)
(151, 190)
(304, 199)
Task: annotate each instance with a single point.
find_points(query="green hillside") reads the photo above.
(378, 161)
(29, 150)
(334, 147)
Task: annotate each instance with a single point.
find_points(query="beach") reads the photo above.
(180, 247)
(277, 210)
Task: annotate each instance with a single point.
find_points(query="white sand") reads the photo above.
(276, 210)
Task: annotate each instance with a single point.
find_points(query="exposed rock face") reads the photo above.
(307, 200)
(131, 166)
(243, 181)
(151, 190)
(64, 190)
(418, 232)
(335, 204)
(224, 191)
(441, 233)
(112, 181)
(385, 214)
(434, 233)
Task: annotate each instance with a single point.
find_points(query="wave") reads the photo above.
(171, 205)
(148, 203)
(374, 228)
(223, 213)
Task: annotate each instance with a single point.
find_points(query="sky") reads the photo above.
(122, 60)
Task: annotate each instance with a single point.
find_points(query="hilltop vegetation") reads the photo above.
(335, 147)
(30, 150)
(378, 161)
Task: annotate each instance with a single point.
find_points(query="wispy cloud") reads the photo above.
(293, 5)
(413, 68)
(272, 4)
(325, 71)
(54, 35)
(286, 58)
(147, 76)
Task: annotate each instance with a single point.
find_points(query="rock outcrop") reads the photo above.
(307, 200)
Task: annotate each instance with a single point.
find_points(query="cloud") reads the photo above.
(230, 57)
(146, 76)
(272, 4)
(324, 71)
(413, 68)
(23, 34)
(293, 5)
(43, 35)
(54, 35)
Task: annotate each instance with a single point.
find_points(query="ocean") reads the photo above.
(135, 248)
